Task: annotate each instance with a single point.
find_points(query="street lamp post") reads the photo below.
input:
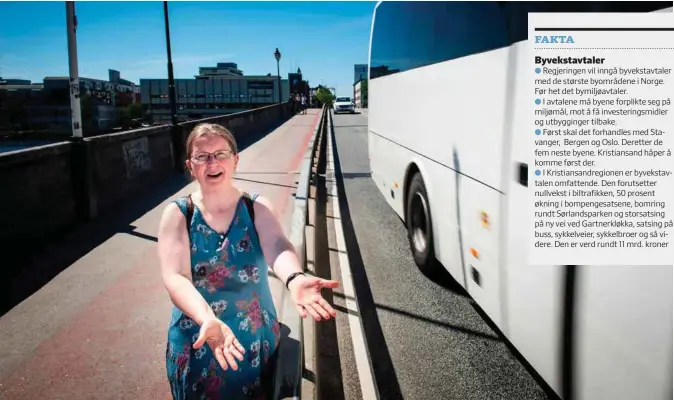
(80, 157)
(277, 55)
(76, 112)
(171, 83)
(176, 131)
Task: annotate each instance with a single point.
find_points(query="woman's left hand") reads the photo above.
(306, 294)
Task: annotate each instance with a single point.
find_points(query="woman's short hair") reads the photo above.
(206, 129)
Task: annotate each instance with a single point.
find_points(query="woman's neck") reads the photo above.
(221, 198)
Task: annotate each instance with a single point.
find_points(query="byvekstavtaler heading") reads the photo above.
(568, 60)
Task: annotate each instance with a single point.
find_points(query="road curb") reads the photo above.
(362, 353)
(297, 343)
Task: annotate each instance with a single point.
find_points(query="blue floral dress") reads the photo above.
(230, 272)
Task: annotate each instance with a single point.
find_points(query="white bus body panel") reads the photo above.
(443, 125)
(533, 294)
(624, 332)
(390, 162)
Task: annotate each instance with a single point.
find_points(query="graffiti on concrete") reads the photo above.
(136, 157)
(75, 88)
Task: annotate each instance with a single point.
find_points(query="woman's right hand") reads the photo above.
(222, 342)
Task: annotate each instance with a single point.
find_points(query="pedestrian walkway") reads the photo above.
(98, 330)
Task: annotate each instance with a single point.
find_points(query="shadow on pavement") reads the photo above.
(356, 175)
(31, 273)
(328, 357)
(284, 378)
(351, 126)
(552, 395)
(264, 183)
(440, 276)
(33, 266)
(451, 327)
(385, 376)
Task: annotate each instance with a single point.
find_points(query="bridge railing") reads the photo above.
(293, 348)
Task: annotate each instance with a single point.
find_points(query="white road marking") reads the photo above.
(363, 364)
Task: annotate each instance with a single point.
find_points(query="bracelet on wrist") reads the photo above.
(293, 276)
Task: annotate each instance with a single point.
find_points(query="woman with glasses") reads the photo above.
(214, 248)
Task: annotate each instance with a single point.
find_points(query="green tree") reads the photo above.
(126, 115)
(135, 110)
(363, 93)
(324, 95)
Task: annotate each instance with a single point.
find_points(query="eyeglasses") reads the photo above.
(218, 156)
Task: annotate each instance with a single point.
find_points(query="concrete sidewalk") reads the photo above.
(98, 329)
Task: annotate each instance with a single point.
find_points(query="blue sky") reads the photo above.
(325, 39)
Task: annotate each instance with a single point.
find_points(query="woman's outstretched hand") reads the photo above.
(222, 342)
(306, 294)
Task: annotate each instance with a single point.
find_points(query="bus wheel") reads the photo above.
(419, 225)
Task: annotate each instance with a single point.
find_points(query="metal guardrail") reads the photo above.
(290, 364)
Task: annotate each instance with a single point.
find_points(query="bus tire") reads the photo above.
(420, 225)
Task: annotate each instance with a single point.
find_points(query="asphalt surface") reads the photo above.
(426, 337)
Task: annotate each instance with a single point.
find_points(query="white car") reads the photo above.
(344, 104)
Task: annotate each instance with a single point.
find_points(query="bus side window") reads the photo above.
(402, 38)
(465, 28)
(409, 35)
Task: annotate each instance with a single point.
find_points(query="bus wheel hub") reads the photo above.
(419, 211)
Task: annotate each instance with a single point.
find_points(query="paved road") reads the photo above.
(426, 338)
(98, 329)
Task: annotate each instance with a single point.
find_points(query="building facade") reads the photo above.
(298, 86)
(46, 106)
(219, 90)
(16, 96)
(359, 72)
(360, 93)
(220, 70)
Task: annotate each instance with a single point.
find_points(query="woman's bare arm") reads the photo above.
(174, 259)
(278, 251)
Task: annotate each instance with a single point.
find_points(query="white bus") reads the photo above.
(448, 124)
